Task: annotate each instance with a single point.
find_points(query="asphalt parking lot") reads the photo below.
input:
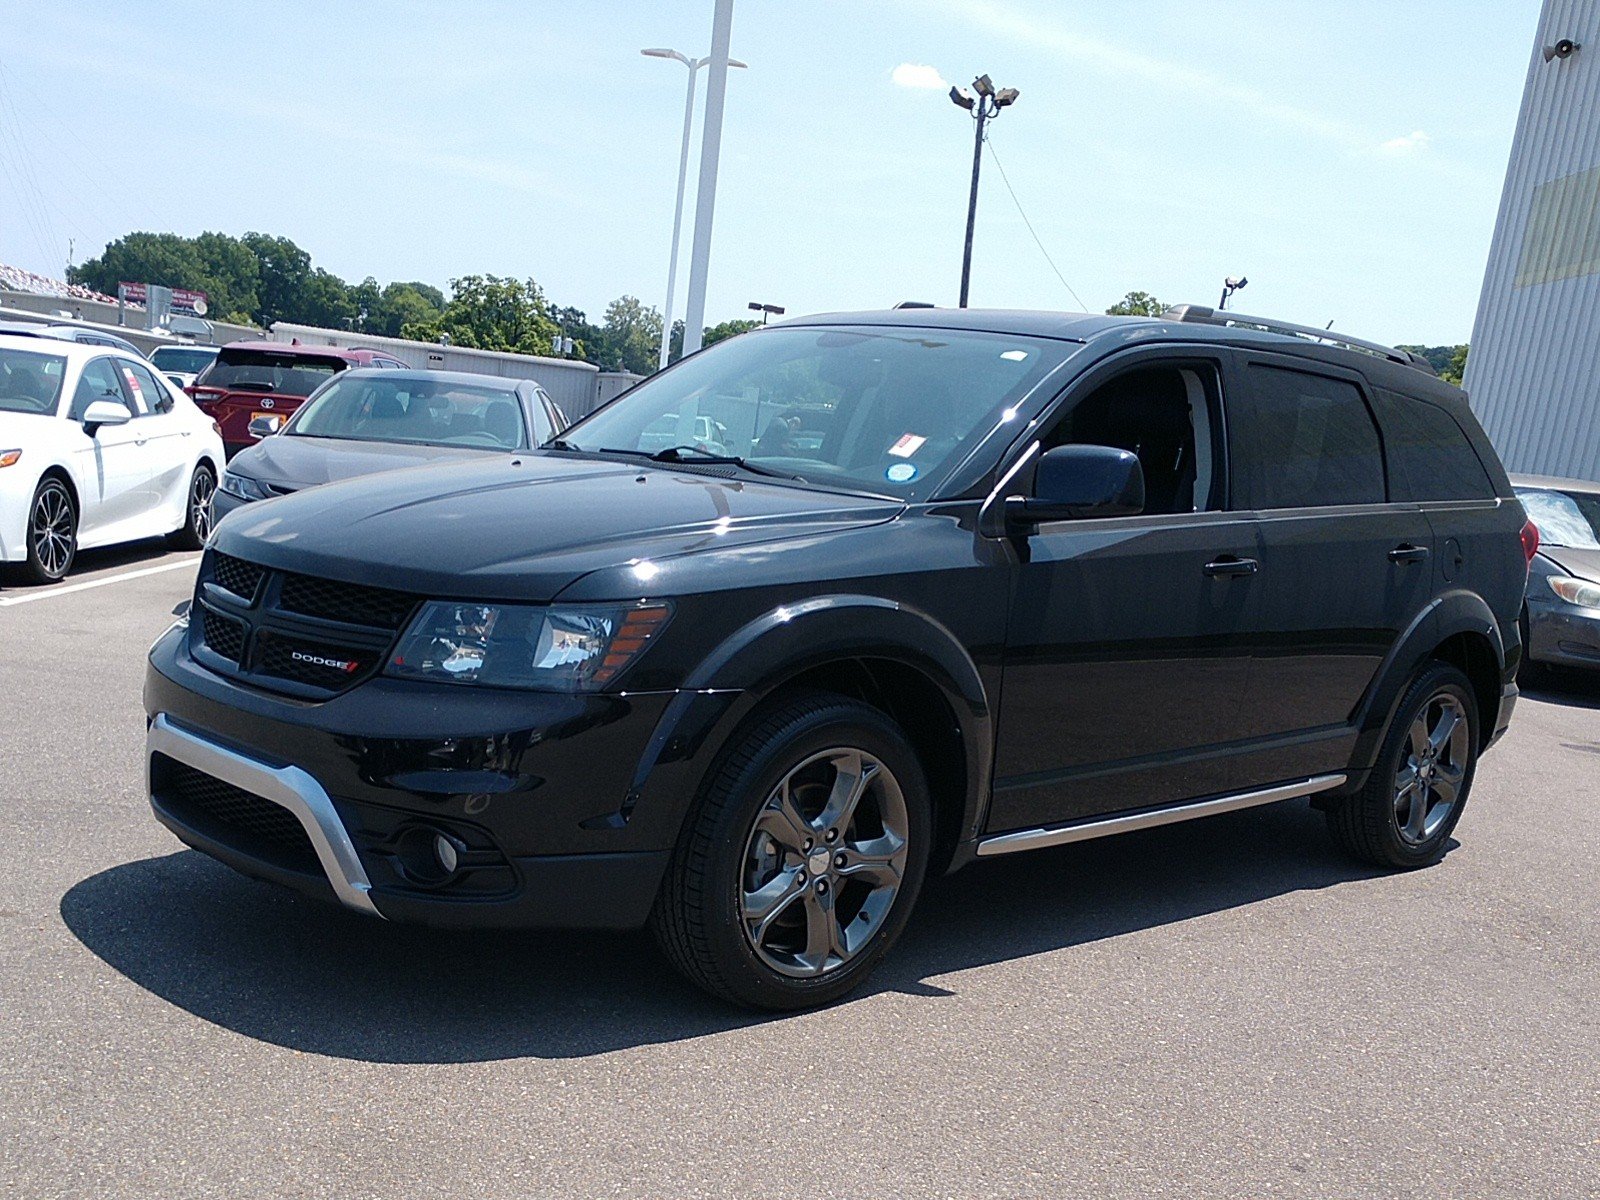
(1218, 1009)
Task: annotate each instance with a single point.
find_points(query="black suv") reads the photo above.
(951, 584)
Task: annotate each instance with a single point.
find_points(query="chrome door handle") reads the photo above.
(1230, 567)
(1408, 553)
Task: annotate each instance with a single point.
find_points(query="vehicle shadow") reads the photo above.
(1572, 688)
(108, 558)
(284, 969)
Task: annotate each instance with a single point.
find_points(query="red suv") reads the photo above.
(252, 388)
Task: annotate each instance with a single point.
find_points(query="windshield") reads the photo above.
(184, 359)
(885, 410)
(395, 408)
(1570, 519)
(30, 382)
(264, 371)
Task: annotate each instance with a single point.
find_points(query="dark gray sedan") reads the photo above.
(371, 419)
(1563, 606)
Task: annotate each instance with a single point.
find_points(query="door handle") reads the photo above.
(1408, 553)
(1229, 567)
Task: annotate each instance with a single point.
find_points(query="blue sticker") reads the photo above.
(901, 473)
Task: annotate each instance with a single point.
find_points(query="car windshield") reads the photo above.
(264, 371)
(1570, 519)
(425, 411)
(30, 382)
(184, 359)
(884, 410)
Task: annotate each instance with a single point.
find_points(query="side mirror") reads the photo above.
(104, 412)
(261, 427)
(1073, 482)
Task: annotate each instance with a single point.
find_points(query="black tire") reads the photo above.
(50, 556)
(700, 915)
(197, 513)
(1369, 825)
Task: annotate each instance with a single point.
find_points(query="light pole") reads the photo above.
(985, 108)
(694, 65)
(1230, 285)
(765, 310)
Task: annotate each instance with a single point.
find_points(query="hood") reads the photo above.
(1582, 564)
(523, 527)
(292, 461)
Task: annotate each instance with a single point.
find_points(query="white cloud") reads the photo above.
(1411, 143)
(915, 75)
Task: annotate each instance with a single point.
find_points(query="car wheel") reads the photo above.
(1404, 815)
(197, 509)
(801, 859)
(52, 532)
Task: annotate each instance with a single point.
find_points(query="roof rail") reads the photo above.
(1198, 314)
(915, 304)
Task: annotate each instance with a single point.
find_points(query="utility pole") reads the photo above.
(983, 109)
(705, 200)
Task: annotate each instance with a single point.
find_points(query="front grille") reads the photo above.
(233, 816)
(292, 633)
(352, 603)
(313, 663)
(236, 575)
(223, 635)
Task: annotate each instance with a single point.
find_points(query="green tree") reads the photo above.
(488, 312)
(397, 305)
(1137, 304)
(727, 329)
(631, 335)
(285, 272)
(1456, 370)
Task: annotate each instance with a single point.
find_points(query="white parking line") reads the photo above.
(30, 597)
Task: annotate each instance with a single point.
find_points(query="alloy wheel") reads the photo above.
(1428, 784)
(51, 530)
(824, 862)
(201, 494)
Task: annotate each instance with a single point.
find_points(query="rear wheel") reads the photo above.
(197, 509)
(802, 858)
(52, 532)
(1404, 815)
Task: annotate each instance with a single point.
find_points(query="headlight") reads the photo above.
(573, 648)
(243, 487)
(1576, 591)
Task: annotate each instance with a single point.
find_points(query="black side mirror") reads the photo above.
(1072, 482)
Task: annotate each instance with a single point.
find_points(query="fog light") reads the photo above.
(445, 851)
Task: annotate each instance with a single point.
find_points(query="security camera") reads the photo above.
(1562, 49)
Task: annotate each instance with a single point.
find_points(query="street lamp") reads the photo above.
(1230, 285)
(985, 108)
(694, 65)
(765, 310)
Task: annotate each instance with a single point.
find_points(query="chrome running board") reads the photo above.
(1060, 835)
(289, 787)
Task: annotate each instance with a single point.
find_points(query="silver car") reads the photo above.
(1562, 612)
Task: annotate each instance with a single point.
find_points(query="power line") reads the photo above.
(1001, 167)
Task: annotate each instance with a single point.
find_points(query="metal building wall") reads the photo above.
(1533, 372)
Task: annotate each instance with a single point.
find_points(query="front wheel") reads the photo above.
(197, 509)
(52, 532)
(801, 860)
(1404, 815)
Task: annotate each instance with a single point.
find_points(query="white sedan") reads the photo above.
(96, 448)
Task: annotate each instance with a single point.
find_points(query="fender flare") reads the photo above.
(762, 655)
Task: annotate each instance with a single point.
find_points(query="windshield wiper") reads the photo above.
(693, 454)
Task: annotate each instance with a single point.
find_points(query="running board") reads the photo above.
(1060, 835)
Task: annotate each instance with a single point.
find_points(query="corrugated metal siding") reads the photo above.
(1534, 369)
(573, 385)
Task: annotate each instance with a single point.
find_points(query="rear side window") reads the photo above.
(1430, 457)
(1299, 440)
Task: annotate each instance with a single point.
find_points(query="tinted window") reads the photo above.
(30, 382)
(1299, 441)
(1430, 457)
(183, 359)
(264, 371)
(98, 382)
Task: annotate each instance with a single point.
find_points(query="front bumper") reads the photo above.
(1563, 635)
(334, 798)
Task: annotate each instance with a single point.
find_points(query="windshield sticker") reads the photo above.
(901, 472)
(908, 445)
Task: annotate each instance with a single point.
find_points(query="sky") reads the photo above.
(1346, 156)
